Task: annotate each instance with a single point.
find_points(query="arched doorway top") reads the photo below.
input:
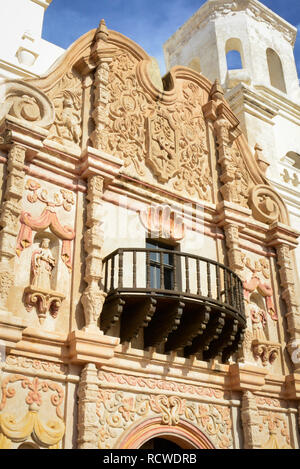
(185, 435)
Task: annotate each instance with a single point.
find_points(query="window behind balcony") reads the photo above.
(161, 266)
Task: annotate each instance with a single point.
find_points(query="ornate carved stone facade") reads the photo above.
(147, 277)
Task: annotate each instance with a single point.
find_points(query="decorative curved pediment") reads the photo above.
(107, 94)
(26, 103)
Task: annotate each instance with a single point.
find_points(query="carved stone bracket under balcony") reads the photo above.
(192, 305)
(44, 301)
(265, 351)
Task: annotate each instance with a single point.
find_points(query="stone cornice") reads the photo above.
(257, 101)
(214, 9)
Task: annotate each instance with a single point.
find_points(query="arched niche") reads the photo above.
(275, 70)
(234, 54)
(185, 435)
(194, 64)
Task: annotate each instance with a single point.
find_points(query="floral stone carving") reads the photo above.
(118, 410)
(25, 102)
(162, 155)
(171, 141)
(31, 425)
(65, 199)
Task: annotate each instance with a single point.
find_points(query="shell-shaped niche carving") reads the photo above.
(26, 103)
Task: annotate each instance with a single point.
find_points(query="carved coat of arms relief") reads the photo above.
(162, 147)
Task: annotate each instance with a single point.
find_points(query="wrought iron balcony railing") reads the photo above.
(185, 301)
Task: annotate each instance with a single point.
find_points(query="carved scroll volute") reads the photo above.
(93, 297)
(24, 102)
(10, 212)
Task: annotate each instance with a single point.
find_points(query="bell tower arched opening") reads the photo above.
(276, 70)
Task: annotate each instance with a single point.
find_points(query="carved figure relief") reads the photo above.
(41, 292)
(256, 283)
(265, 205)
(42, 265)
(259, 298)
(67, 99)
(171, 140)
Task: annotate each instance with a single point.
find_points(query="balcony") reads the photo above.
(175, 301)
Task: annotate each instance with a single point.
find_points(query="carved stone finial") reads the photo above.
(102, 31)
(260, 158)
(217, 92)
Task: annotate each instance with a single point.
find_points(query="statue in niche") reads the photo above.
(42, 265)
(68, 119)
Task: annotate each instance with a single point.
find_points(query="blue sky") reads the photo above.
(148, 22)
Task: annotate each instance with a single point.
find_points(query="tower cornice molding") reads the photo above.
(215, 9)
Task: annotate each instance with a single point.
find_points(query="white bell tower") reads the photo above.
(261, 83)
(263, 40)
(23, 52)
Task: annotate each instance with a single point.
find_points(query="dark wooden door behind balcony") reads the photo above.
(185, 302)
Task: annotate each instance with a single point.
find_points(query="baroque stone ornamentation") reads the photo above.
(44, 301)
(250, 421)
(264, 204)
(31, 425)
(162, 221)
(266, 351)
(277, 428)
(234, 251)
(162, 154)
(12, 206)
(171, 141)
(10, 213)
(88, 426)
(267, 401)
(118, 410)
(289, 294)
(67, 99)
(6, 282)
(149, 384)
(25, 102)
(255, 283)
(93, 297)
(48, 219)
(37, 365)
